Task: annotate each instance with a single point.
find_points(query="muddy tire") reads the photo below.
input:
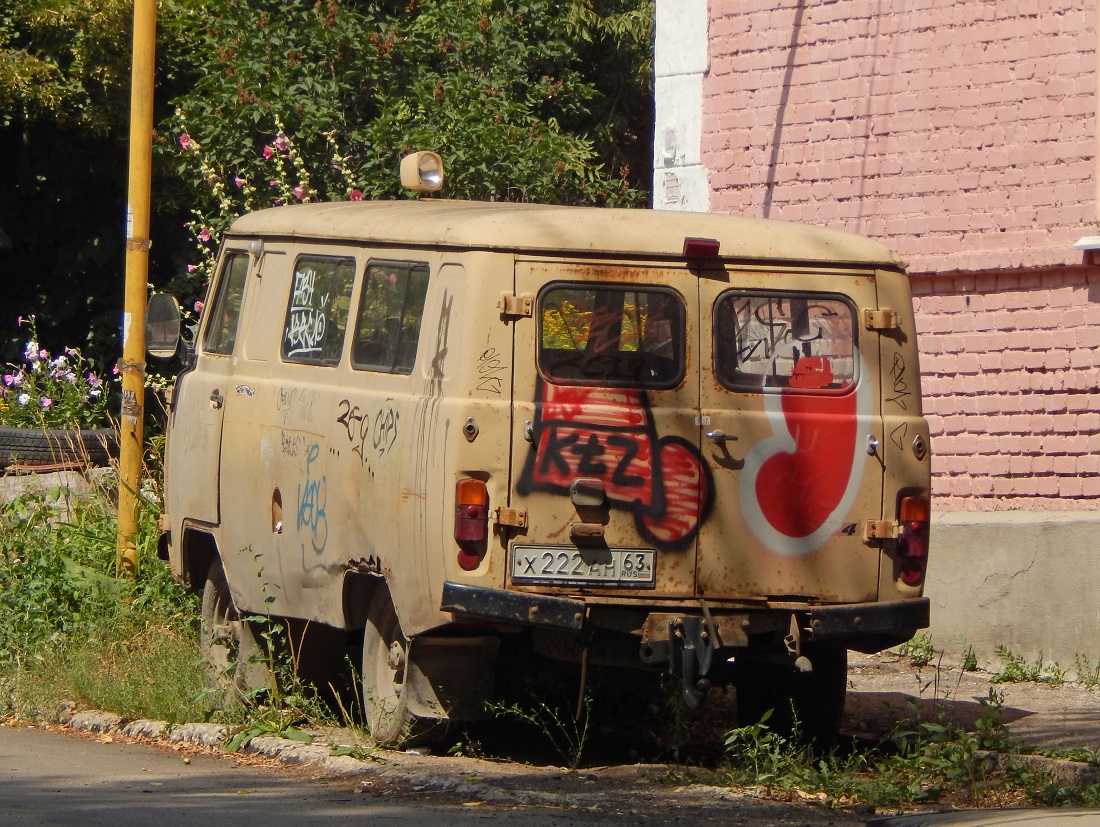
(385, 663)
(36, 447)
(236, 662)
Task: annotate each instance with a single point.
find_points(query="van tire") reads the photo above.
(385, 666)
(807, 704)
(234, 658)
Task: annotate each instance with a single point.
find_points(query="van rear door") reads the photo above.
(606, 462)
(790, 408)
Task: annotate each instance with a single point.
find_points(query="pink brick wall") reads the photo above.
(1010, 374)
(962, 132)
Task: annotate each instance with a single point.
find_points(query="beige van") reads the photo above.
(683, 444)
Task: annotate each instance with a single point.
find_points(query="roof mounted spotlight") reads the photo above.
(422, 172)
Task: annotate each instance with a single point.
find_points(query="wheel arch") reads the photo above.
(198, 550)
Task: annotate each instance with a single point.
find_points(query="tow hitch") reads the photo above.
(689, 652)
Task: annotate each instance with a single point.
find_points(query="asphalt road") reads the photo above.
(49, 778)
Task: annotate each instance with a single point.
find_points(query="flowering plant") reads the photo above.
(48, 391)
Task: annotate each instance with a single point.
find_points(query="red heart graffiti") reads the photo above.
(798, 490)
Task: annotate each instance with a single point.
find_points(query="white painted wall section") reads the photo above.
(680, 61)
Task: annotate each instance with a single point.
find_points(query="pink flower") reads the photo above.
(94, 380)
(300, 192)
(115, 371)
(281, 143)
(393, 279)
(204, 235)
(198, 306)
(45, 401)
(268, 152)
(273, 183)
(238, 181)
(356, 195)
(185, 141)
(191, 268)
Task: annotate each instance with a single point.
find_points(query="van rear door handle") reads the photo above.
(217, 400)
(720, 436)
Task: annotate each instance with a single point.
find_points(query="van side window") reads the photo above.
(611, 335)
(390, 310)
(802, 342)
(317, 315)
(225, 310)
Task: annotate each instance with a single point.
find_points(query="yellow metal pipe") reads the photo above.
(132, 365)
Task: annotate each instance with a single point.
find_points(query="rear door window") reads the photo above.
(769, 342)
(611, 335)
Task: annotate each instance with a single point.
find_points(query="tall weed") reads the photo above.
(70, 630)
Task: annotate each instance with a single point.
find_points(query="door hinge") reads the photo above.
(882, 319)
(517, 305)
(512, 517)
(875, 531)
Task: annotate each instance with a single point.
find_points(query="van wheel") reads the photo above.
(385, 666)
(235, 660)
(809, 704)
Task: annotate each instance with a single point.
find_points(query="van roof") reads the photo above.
(536, 228)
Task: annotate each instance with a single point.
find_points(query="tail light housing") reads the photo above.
(471, 521)
(913, 521)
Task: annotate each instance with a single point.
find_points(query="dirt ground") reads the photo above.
(886, 688)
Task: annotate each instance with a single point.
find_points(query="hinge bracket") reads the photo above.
(882, 319)
(512, 517)
(875, 531)
(517, 305)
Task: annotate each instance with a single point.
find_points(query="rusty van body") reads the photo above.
(684, 444)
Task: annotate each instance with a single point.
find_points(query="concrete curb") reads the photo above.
(319, 757)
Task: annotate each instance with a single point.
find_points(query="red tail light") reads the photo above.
(471, 521)
(913, 516)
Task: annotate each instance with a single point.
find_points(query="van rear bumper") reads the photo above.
(857, 625)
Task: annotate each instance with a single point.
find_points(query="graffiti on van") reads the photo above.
(312, 496)
(294, 406)
(492, 370)
(609, 434)
(307, 321)
(901, 391)
(380, 428)
(799, 484)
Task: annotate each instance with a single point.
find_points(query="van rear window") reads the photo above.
(611, 335)
(317, 316)
(802, 342)
(390, 311)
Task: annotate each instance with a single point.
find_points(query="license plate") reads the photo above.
(558, 565)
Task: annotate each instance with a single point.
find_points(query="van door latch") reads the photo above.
(517, 305)
(882, 319)
(512, 517)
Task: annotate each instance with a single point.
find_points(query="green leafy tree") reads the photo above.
(300, 102)
(524, 99)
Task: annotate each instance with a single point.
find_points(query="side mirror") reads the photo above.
(162, 326)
